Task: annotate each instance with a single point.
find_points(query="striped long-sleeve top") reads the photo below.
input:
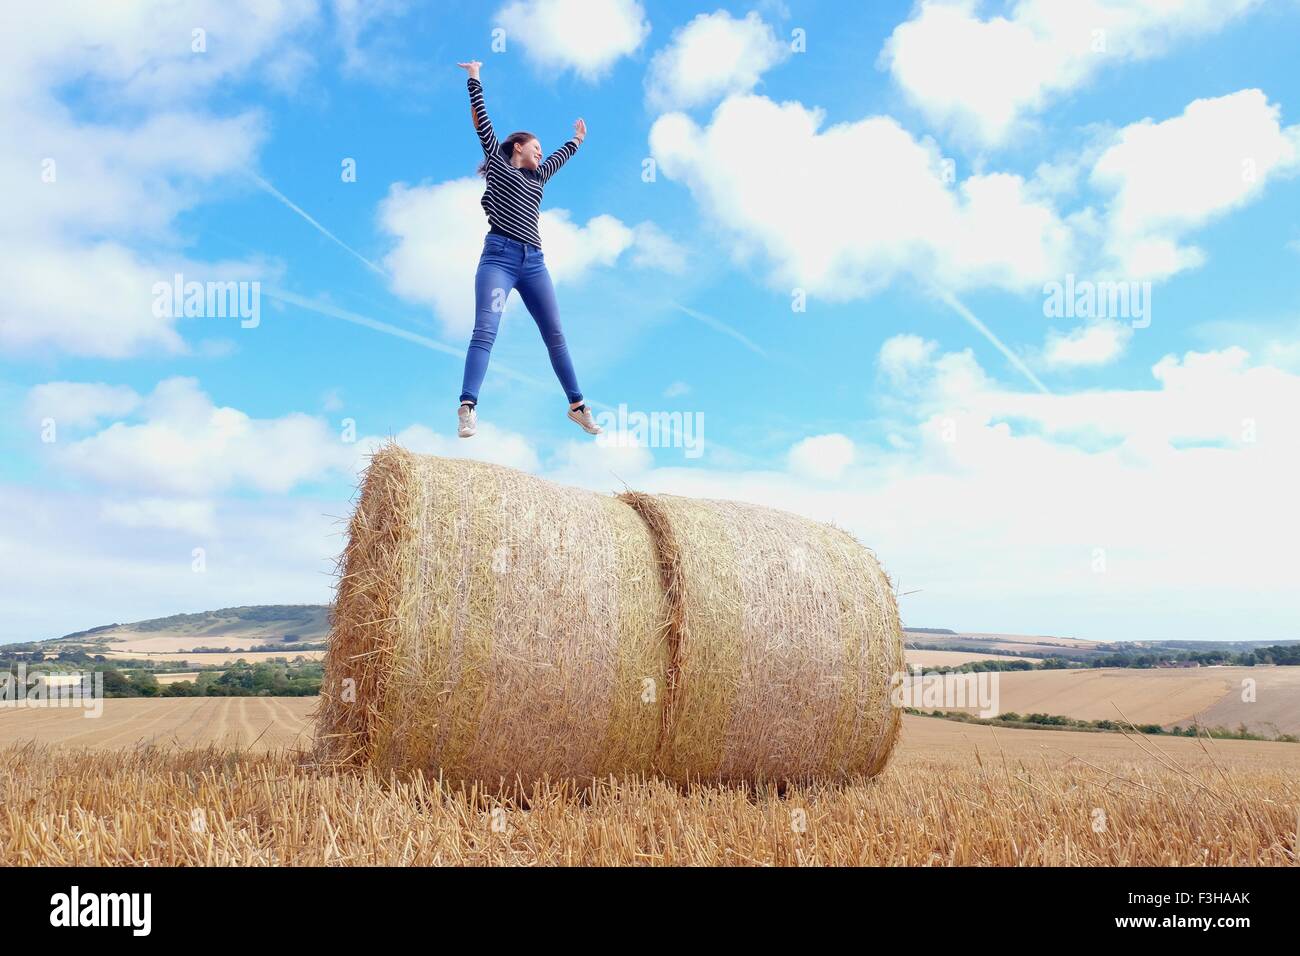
(513, 197)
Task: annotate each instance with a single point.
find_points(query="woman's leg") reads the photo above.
(538, 294)
(492, 284)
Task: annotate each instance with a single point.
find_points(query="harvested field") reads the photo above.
(126, 722)
(177, 677)
(219, 721)
(1037, 642)
(926, 658)
(953, 795)
(209, 660)
(1165, 696)
(1275, 709)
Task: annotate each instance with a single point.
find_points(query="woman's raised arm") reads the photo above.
(552, 163)
(486, 137)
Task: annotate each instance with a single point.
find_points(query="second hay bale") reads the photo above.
(788, 636)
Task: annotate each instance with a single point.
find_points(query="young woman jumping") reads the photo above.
(512, 254)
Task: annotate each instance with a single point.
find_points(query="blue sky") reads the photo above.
(915, 175)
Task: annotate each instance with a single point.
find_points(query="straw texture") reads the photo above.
(498, 629)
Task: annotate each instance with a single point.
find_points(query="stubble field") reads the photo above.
(213, 781)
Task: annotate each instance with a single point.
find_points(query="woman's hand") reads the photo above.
(472, 67)
(579, 131)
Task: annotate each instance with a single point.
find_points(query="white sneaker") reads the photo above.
(582, 415)
(468, 421)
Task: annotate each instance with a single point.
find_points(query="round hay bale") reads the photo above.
(494, 628)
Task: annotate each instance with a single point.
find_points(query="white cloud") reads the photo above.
(571, 250)
(92, 180)
(1283, 354)
(96, 299)
(676, 390)
(438, 236)
(989, 491)
(332, 400)
(177, 441)
(147, 49)
(438, 231)
(1202, 398)
(606, 463)
(822, 456)
(186, 445)
(711, 57)
(896, 216)
(195, 516)
(174, 477)
(652, 248)
(72, 562)
(87, 191)
(1168, 482)
(982, 77)
(586, 36)
(900, 217)
(986, 491)
(1170, 177)
(1094, 344)
(354, 24)
(491, 443)
(901, 354)
(78, 404)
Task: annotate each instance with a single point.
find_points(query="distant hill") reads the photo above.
(1041, 646)
(269, 625)
(999, 645)
(236, 628)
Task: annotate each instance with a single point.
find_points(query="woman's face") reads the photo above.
(528, 155)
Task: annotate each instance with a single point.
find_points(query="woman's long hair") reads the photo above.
(508, 148)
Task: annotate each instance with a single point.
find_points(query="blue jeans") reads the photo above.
(507, 264)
